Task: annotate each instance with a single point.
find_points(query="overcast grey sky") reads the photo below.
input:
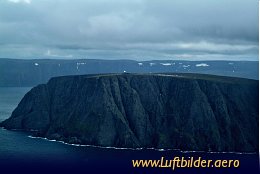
(129, 29)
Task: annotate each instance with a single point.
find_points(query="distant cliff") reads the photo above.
(178, 111)
(17, 72)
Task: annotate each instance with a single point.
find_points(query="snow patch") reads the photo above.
(202, 64)
(36, 64)
(80, 63)
(140, 64)
(166, 64)
(185, 66)
(152, 64)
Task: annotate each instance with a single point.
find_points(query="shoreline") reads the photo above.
(141, 148)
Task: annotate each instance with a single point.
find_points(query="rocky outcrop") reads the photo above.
(177, 111)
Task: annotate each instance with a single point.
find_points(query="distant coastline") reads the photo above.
(31, 72)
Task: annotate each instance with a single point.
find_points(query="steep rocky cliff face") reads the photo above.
(178, 111)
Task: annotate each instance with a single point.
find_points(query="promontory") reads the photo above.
(173, 111)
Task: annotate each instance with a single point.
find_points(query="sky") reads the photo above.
(129, 29)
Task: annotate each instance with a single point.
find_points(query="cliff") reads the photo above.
(178, 111)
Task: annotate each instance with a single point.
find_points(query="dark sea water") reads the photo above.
(21, 154)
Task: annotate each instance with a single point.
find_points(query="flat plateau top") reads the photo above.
(191, 76)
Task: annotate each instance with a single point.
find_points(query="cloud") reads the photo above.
(138, 29)
(49, 54)
(20, 1)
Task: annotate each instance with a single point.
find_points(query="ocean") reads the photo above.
(21, 153)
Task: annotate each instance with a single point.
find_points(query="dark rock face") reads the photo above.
(180, 111)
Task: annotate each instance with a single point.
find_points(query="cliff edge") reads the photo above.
(177, 111)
